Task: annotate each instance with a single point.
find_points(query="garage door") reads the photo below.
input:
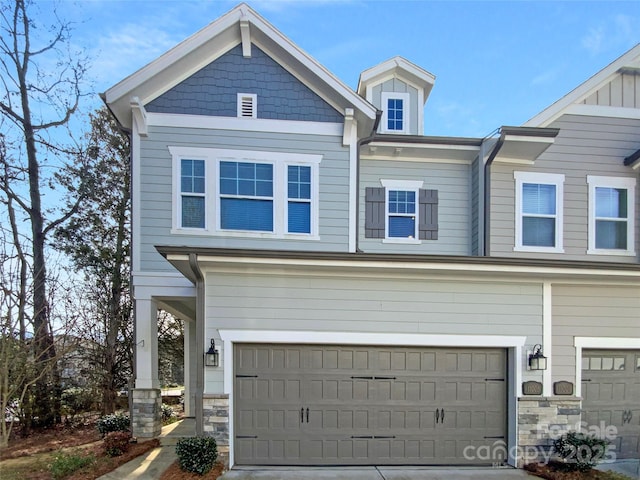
(611, 392)
(325, 405)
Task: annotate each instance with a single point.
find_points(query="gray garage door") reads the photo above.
(611, 392)
(326, 405)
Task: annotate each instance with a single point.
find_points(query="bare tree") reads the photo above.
(97, 240)
(40, 90)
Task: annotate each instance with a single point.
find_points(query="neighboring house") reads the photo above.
(375, 294)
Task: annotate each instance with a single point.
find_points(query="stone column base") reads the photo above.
(215, 409)
(540, 421)
(146, 408)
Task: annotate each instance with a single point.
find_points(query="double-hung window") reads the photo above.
(611, 215)
(245, 193)
(298, 199)
(246, 196)
(395, 116)
(192, 193)
(538, 212)
(402, 210)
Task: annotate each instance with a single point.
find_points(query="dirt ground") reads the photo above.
(29, 456)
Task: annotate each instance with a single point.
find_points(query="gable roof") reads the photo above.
(402, 68)
(240, 25)
(629, 60)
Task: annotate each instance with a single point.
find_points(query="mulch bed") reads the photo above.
(174, 473)
(559, 471)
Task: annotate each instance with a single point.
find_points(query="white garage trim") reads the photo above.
(608, 343)
(229, 337)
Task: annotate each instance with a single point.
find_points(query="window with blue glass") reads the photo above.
(246, 196)
(298, 199)
(538, 215)
(402, 214)
(192, 193)
(395, 114)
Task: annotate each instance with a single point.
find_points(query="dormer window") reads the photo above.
(247, 105)
(395, 117)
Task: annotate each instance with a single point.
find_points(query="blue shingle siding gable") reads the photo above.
(213, 91)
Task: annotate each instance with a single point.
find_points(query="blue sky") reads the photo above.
(496, 63)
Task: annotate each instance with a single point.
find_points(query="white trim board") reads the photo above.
(229, 337)
(182, 120)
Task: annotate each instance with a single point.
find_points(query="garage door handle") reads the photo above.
(302, 415)
(307, 415)
(437, 416)
(442, 415)
(361, 436)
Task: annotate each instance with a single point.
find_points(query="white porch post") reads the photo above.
(146, 348)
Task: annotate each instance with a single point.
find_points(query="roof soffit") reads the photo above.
(629, 61)
(214, 40)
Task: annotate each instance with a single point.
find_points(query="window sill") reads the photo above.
(619, 253)
(244, 234)
(406, 241)
(539, 249)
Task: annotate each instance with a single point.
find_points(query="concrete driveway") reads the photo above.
(375, 473)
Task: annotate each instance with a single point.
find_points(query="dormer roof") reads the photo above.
(397, 67)
(592, 96)
(241, 25)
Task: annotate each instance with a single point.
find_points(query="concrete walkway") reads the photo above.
(376, 473)
(152, 464)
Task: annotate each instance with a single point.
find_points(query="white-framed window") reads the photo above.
(192, 198)
(538, 212)
(401, 207)
(395, 112)
(611, 215)
(247, 105)
(245, 193)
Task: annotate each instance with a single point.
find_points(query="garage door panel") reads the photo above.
(611, 390)
(365, 405)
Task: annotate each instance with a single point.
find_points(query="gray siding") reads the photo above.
(590, 311)
(397, 85)
(332, 302)
(156, 195)
(454, 220)
(213, 90)
(622, 91)
(585, 146)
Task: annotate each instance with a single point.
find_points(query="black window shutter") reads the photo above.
(374, 212)
(428, 215)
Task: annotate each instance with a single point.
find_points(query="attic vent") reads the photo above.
(247, 105)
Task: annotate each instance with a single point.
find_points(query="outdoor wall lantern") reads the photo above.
(212, 357)
(537, 361)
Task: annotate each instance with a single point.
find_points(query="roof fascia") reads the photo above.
(554, 111)
(416, 76)
(224, 27)
(633, 160)
(631, 271)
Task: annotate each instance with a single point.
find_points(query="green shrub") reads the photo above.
(115, 422)
(580, 451)
(196, 454)
(116, 443)
(64, 464)
(168, 414)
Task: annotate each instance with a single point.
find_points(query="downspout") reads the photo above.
(199, 393)
(487, 196)
(361, 142)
